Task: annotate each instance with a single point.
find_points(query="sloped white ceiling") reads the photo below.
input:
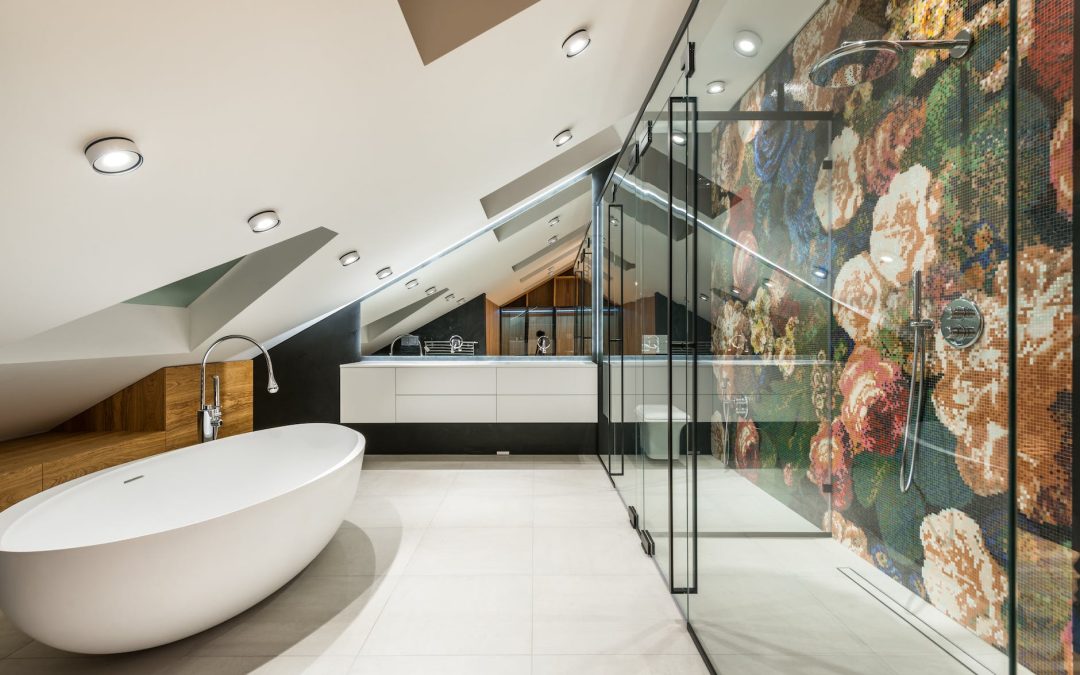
(320, 109)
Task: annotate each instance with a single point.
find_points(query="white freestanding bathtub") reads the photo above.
(158, 549)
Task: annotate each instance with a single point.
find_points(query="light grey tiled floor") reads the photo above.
(445, 565)
(781, 606)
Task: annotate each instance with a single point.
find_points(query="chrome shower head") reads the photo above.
(855, 62)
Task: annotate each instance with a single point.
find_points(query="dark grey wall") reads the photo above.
(307, 369)
(466, 320)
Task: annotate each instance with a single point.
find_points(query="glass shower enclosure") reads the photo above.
(807, 338)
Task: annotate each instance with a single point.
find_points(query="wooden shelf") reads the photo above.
(35, 463)
(153, 415)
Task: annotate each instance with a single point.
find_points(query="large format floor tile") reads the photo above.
(455, 615)
(454, 565)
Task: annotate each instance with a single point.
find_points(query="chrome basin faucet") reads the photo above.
(209, 416)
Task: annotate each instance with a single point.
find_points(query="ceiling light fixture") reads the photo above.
(460, 300)
(384, 272)
(349, 258)
(113, 155)
(263, 221)
(552, 241)
(820, 272)
(678, 138)
(562, 138)
(577, 42)
(554, 221)
(412, 283)
(449, 297)
(430, 291)
(716, 87)
(747, 43)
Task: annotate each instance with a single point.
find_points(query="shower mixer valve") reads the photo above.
(961, 323)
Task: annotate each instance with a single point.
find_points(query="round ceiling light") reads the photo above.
(384, 272)
(449, 297)
(113, 155)
(552, 241)
(577, 42)
(562, 138)
(460, 300)
(412, 283)
(678, 138)
(430, 291)
(716, 87)
(554, 221)
(349, 258)
(747, 43)
(263, 221)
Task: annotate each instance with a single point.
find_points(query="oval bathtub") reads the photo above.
(161, 548)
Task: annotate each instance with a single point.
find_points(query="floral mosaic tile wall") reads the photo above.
(919, 181)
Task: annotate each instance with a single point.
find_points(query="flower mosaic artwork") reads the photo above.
(918, 182)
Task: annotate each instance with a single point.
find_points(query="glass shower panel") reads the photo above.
(856, 487)
(770, 389)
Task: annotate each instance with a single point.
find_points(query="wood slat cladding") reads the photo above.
(439, 27)
(566, 291)
(181, 400)
(138, 407)
(18, 483)
(491, 327)
(153, 415)
(35, 463)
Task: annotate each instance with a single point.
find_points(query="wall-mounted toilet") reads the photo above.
(654, 431)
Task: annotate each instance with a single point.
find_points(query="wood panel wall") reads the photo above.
(566, 291)
(492, 327)
(155, 414)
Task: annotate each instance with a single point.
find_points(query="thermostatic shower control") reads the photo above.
(961, 323)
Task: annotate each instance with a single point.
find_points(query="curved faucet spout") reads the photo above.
(271, 385)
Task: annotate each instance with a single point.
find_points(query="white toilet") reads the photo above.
(654, 432)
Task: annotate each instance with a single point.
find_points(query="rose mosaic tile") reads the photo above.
(919, 181)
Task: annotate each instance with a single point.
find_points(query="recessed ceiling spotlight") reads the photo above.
(554, 221)
(349, 258)
(716, 87)
(552, 241)
(449, 297)
(747, 43)
(263, 221)
(577, 42)
(430, 291)
(384, 272)
(562, 138)
(460, 300)
(114, 154)
(412, 283)
(678, 138)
